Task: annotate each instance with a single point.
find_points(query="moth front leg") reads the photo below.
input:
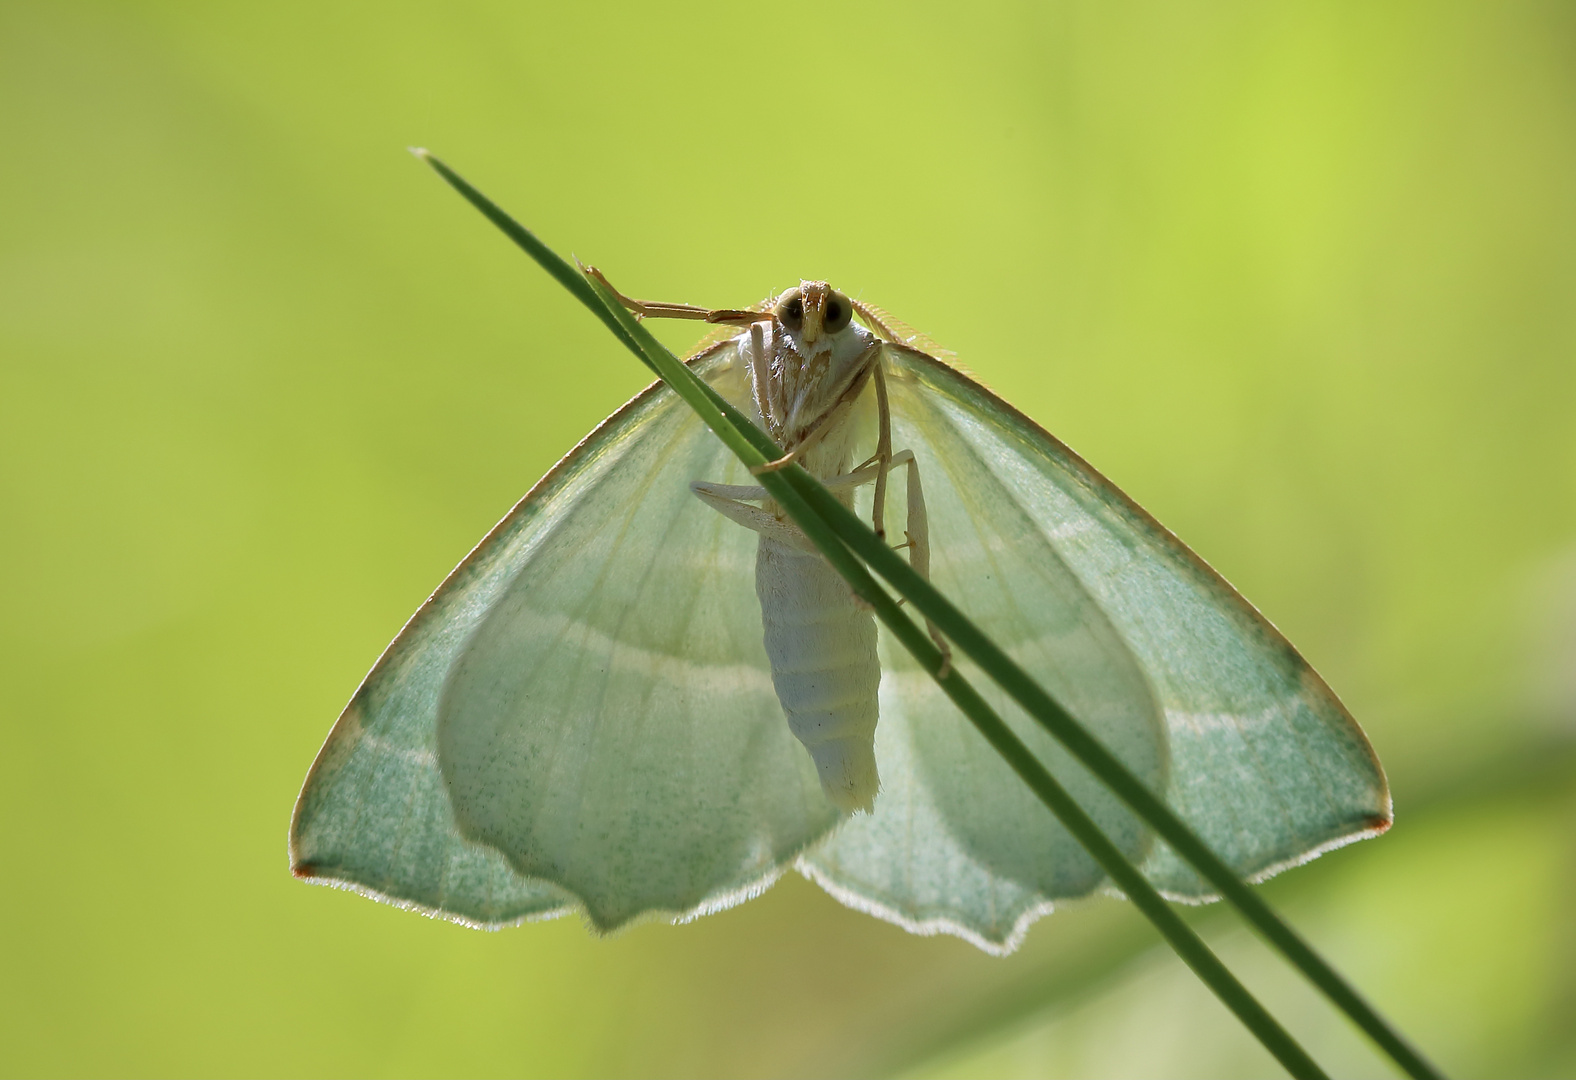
(649, 309)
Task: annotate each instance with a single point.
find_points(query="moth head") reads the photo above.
(812, 315)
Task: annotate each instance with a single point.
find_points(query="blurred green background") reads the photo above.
(1301, 277)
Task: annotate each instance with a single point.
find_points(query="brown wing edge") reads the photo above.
(348, 726)
(1145, 522)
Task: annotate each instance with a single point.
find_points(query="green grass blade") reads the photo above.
(830, 526)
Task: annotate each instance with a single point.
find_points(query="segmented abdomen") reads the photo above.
(822, 648)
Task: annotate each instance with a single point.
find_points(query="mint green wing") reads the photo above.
(582, 715)
(1249, 745)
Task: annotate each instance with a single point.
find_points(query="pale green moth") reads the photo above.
(586, 715)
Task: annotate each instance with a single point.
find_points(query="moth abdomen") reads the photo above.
(822, 648)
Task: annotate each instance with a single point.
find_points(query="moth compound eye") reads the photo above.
(790, 310)
(838, 312)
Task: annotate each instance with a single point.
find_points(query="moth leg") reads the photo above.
(754, 518)
(813, 437)
(918, 530)
(883, 461)
(648, 309)
(731, 492)
(761, 385)
(734, 501)
(867, 471)
(713, 493)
